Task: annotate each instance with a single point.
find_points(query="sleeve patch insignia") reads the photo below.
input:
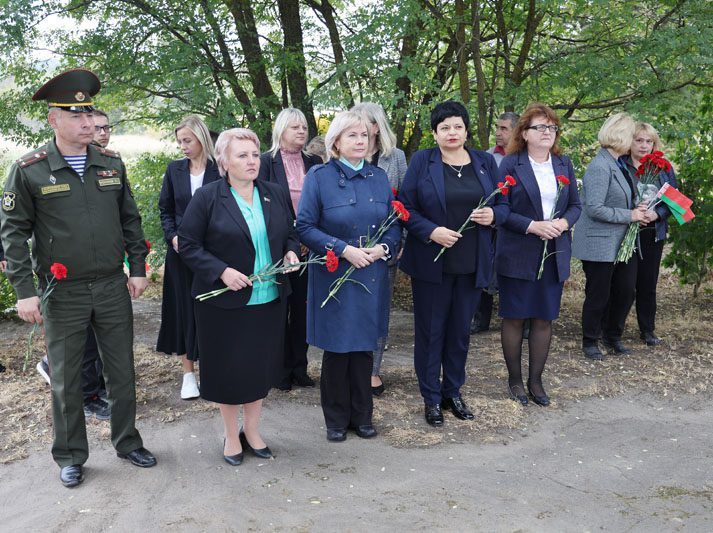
(8, 201)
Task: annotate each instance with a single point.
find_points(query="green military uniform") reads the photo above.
(86, 223)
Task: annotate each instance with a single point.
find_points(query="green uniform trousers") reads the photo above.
(105, 304)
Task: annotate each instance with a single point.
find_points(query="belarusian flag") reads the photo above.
(677, 202)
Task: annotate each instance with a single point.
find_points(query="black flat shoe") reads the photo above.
(139, 457)
(434, 415)
(544, 400)
(593, 353)
(522, 398)
(616, 347)
(262, 453)
(233, 460)
(366, 431)
(458, 407)
(302, 380)
(650, 339)
(378, 390)
(285, 384)
(336, 435)
(71, 475)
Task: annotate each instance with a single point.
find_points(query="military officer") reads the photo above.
(74, 199)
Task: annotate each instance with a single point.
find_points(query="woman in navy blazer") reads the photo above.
(536, 164)
(286, 164)
(232, 228)
(177, 334)
(441, 189)
(652, 235)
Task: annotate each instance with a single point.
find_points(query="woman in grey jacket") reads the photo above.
(383, 154)
(609, 205)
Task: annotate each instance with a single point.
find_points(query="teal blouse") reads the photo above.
(263, 291)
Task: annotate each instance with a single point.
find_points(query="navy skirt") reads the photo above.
(521, 298)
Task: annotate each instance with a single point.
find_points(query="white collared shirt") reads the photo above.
(196, 182)
(546, 181)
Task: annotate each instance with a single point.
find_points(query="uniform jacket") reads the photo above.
(661, 223)
(214, 236)
(339, 206)
(606, 210)
(272, 169)
(176, 193)
(84, 223)
(423, 194)
(518, 255)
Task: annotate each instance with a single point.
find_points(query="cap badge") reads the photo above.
(80, 96)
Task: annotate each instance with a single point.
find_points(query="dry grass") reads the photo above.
(683, 365)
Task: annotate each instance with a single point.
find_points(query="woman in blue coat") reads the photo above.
(441, 189)
(344, 202)
(652, 235)
(534, 219)
(183, 177)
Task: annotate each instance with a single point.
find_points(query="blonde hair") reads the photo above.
(374, 113)
(225, 139)
(342, 122)
(316, 147)
(648, 128)
(198, 128)
(282, 122)
(617, 133)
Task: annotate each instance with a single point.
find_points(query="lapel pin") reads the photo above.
(266, 198)
(53, 180)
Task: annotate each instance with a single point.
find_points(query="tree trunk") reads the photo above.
(483, 135)
(294, 60)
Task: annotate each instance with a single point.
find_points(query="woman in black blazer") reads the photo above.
(183, 177)
(536, 164)
(441, 189)
(235, 227)
(286, 165)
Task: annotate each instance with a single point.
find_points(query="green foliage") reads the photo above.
(7, 294)
(146, 176)
(692, 252)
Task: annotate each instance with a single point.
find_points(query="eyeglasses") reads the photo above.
(105, 129)
(543, 127)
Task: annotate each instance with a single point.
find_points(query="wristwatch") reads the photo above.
(387, 251)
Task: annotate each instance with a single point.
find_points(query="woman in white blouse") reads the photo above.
(539, 217)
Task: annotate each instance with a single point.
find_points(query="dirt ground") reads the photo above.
(625, 444)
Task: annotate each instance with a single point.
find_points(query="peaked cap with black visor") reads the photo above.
(72, 91)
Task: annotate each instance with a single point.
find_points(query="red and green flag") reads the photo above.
(677, 202)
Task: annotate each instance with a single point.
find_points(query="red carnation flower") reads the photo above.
(510, 180)
(503, 188)
(640, 171)
(394, 191)
(657, 153)
(646, 158)
(564, 180)
(146, 265)
(332, 261)
(59, 271)
(401, 211)
(148, 244)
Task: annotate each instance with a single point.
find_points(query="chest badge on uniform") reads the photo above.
(112, 172)
(8, 201)
(53, 180)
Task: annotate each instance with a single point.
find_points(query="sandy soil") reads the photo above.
(624, 446)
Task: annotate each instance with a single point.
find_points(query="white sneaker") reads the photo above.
(189, 390)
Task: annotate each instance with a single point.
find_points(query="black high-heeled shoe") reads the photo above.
(522, 398)
(262, 453)
(544, 400)
(232, 460)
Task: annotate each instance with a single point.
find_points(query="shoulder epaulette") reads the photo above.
(108, 153)
(31, 158)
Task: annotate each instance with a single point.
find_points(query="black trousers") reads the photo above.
(346, 389)
(92, 368)
(608, 296)
(647, 278)
(484, 314)
(296, 346)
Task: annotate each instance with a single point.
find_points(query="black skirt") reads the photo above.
(178, 326)
(242, 350)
